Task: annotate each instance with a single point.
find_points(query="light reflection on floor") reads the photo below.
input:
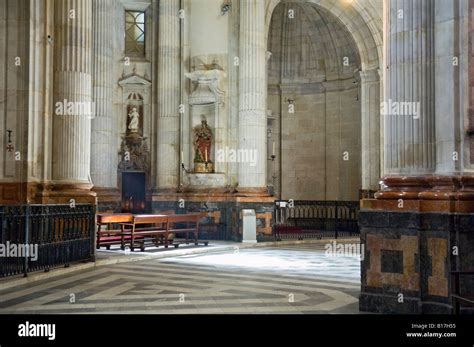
(311, 259)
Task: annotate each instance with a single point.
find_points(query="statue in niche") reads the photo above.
(202, 146)
(134, 116)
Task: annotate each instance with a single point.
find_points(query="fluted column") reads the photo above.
(370, 110)
(168, 96)
(73, 84)
(409, 105)
(103, 151)
(252, 93)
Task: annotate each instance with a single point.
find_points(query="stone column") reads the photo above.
(370, 111)
(72, 90)
(410, 88)
(419, 215)
(167, 133)
(103, 150)
(252, 94)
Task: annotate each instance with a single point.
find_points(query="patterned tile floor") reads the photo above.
(288, 279)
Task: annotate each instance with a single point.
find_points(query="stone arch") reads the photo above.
(363, 24)
(363, 20)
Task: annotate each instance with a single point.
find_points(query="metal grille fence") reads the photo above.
(316, 219)
(39, 237)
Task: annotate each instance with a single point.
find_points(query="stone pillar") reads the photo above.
(252, 94)
(72, 90)
(168, 139)
(410, 88)
(103, 147)
(410, 230)
(370, 110)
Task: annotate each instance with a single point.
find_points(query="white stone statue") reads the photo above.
(134, 120)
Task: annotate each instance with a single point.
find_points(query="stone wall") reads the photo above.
(14, 100)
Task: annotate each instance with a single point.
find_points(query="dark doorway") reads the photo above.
(133, 192)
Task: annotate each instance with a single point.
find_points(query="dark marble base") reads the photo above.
(412, 253)
(388, 304)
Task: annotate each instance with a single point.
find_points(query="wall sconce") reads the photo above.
(291, 101)
(226, 6)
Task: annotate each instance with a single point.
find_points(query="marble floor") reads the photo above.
(285, 279)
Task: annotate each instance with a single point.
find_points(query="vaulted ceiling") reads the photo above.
(363, 19)
(309, 44)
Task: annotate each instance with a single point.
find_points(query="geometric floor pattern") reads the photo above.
(299, 279)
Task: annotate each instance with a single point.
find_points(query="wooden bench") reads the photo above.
(111, 236)
(142, 230)
(145, 229)
(186, 224)
(456, 297)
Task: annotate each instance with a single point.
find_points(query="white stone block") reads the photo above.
(249, 226)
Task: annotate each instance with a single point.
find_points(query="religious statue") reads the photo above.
(134, 120)
(202, 144)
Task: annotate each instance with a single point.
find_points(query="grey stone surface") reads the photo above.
(285, 280)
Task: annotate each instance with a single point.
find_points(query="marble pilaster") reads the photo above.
(370, 136)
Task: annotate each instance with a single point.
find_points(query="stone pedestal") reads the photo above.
(415, 233)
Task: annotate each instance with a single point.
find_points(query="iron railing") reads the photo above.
(316, 219)
(39, 237)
